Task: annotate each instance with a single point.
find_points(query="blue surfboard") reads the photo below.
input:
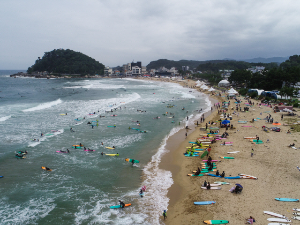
(287, 199)
(204, 203)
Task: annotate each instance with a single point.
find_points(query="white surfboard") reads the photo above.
(296, 217)
(296, 213)
(233, 152)
(295, 209)
(279, 224)
(212, 188)
(279, 220)
(275, 214)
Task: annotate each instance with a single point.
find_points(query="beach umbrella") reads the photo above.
(239, 185)
(225, 121)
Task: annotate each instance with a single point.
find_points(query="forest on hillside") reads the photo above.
(66, 61)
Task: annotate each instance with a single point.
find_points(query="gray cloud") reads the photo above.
(117, 32)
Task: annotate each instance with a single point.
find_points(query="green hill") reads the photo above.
(61, 61)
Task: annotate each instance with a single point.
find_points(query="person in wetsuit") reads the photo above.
(122, 204)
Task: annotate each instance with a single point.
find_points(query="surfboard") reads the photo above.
(227, 157)
(62, 151)
(204, 154)
(109, 148)
(275, 214)
(212, 188)
(112, 154)
(193, 175)
(295, 209)
(213, 185)
(220, 182)
(215, 221)
(130, 160)
(233, 152)
(118, 206)
(204, 203)
(44, 168)
(249, 137)
(245, 176)
(76, 147)
(237, 177)
(287, 199)
(62, 114)
(110, 126)
(296, 217)
(279, 220)
(91, 150)
(296, 214)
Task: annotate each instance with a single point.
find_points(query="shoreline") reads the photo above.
(273, 163)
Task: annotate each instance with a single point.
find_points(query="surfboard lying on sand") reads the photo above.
(275, 214)
(287, 199)
(233, 152)
(279, 220)
(212, 188)
(213, 185)
(249, 137)
(227, 157)
(279, 224)
(204, 203)
(193, 175)
(220, 182)
(295, 209)
(296, 217)
(215, 221)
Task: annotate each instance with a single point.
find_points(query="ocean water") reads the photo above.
(82, 185)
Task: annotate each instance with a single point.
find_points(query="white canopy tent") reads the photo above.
(224, 83)
(205, 88)
(211, 89)
(232, 92)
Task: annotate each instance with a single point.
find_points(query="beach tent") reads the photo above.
(211, 89)
(223, 83)
(225, 121)
(205, 88)
(232, 91)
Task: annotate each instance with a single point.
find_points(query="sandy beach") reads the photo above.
(273, 163)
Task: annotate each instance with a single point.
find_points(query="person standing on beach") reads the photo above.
(165, 214)
(252, 152)
(185, 135)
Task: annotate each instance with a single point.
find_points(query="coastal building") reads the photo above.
(108, 71)
(134, 69)
(256, 69)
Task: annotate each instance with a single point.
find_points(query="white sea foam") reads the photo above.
(43, 106)
(27, 213)
(158, 182)
(4, 118)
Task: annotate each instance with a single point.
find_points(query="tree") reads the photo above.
(240, 77)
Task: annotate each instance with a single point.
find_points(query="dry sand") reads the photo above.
(273, 163)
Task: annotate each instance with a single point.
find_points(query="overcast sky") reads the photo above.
(117, 32)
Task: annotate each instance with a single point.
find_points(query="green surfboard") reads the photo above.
(204, 154)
